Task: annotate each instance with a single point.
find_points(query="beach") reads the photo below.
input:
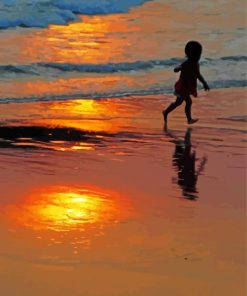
(99, 197)
(143, 230)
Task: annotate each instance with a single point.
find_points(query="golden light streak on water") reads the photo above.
(90, 40)
(88, 86)
(107, 116)
(60, 218)
(65, 209)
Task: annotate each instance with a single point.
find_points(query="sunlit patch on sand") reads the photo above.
(61, 214)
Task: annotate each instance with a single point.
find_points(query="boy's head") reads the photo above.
(193, 50)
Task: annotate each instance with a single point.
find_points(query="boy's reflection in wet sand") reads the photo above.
(184, 161)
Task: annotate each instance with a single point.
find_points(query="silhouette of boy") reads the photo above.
(187, 83)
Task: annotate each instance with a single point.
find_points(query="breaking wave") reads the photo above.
(41, 13)
(40, 68)
(117, 94)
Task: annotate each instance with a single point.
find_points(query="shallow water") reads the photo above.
(102, 189)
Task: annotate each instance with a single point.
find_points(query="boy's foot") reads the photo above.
(165, 116)
(193, 121)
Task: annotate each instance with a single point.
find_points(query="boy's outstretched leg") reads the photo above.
(171, 107)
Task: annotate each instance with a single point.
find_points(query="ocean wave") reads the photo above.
(117, 94)
(18, 69)
(41, 13)
(40, 68)
(228, 83)
(223, 60)
(111, 67)
(69, 96)
(235, 58)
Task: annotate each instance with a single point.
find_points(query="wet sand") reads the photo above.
(98, 199)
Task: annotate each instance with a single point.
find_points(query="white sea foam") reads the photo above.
(41, 13)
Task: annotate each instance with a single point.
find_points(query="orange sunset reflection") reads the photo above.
(66, 209)
(109, 38)
(108, 116)
(89, 40)
(92, 115)
(55, 88)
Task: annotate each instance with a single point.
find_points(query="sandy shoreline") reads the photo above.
(148, 226)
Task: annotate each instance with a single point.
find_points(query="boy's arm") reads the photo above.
(178, 68)
(205, 85)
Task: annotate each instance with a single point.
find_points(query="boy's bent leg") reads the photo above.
(172, 106)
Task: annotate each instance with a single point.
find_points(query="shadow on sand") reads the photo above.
(42, 137)
(30, 136)
(184, 161)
